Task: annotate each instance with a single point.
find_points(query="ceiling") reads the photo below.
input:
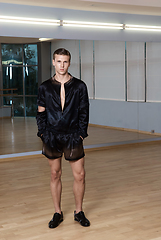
(146, 7)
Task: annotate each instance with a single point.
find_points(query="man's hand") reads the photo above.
(41, 109)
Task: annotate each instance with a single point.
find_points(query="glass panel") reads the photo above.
(11, 54)
(18, 107)
(31, 106)
(31, 80)
(13, 78)
(7, 100)
(30, 54)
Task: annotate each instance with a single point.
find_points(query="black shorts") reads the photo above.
(69, 144)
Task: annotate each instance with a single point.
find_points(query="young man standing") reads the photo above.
(62, 119)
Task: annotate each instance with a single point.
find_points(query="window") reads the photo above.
(20, 72)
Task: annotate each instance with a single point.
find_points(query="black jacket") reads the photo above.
(75, 115)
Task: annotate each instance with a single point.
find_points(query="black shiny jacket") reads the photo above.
(75, 115)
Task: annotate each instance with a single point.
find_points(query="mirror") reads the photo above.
(123, 80)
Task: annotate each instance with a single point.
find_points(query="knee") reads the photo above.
(55, 175)
(80, 177)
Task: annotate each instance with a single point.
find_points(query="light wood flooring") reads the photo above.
(122, 199)
(20, 135)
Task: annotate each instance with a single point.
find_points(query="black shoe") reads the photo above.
(80, 217)
(56, 220)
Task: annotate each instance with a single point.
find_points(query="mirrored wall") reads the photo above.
(123, 80)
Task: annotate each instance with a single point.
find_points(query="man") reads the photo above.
(62, 119)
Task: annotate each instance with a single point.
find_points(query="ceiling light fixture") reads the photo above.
(82, 24)
(45, 39)
(29, 20)
(91, 24)
(142, 27)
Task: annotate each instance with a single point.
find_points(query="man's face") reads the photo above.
(61, 64)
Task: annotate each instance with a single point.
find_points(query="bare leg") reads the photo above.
(55, 183)
(79, 182)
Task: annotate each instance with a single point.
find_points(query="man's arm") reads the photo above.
(41, 113)
(83, 112)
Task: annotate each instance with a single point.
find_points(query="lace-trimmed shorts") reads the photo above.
(71, 145)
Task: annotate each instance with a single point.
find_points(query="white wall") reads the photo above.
(129, 115)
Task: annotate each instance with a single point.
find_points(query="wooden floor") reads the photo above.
(20, 135)
(122, 200)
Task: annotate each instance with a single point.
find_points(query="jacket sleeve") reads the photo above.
(41, 116)
(83, 112)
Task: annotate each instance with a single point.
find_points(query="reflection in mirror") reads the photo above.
(121, 79)
(19, 74)
(31, 80)
(12, 78)
(30, 54)
(11, 54)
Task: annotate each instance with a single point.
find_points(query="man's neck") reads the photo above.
(62, 78)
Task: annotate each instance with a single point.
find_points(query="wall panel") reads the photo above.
(135, 71)
(110, 70)
(153, 72)
(86, 48)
